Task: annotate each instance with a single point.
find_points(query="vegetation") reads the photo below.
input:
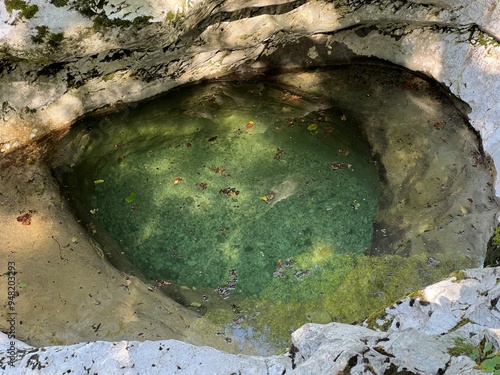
(496, 236)
(458, 275)
(484, 354)
(95, 9)
(59, 3)
(43, 35)
(26, 11)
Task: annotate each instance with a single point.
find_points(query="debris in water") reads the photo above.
(158, 284)
(230, 192)
(203, 185)
(131, 197)
(279, 154)
(337, 166)
(25, 219)
(312, 128)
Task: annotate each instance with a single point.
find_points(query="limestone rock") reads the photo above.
(148, 357)
(413, 344)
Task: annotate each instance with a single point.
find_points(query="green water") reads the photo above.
(253, 203)
(232, 192)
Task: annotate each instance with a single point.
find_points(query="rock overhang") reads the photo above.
(99, 66)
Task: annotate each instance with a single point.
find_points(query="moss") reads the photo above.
(142, 21)
(29, 110)
(174, 17)
(364, 288)
(380, 314)
(55, 39)
(461, 323)
(59, 3)
(26, 11)
(102, 21)
(170, 15)
(458, 275)
(43, 35)
(496, 237)
(417, 295)
(461, 347)
(108, 77)
(486, 41)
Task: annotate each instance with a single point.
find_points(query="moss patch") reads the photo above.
(59, 3)
(458, 275)
(43, 35)
(26, 11)
(362, 289)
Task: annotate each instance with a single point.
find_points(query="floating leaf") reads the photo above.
(249, 125)
(97, 182)
(263, 198)
(312, 127)
(131, 197)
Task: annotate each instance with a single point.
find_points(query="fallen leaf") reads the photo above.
(203, 185)
(312, 127)
(97, 182)
(177, 180)
(249, 125)
(26, 218)
(131, 197)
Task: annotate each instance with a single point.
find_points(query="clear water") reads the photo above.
(230, 191)
(256, 201)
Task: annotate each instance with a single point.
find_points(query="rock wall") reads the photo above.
(62, 59)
